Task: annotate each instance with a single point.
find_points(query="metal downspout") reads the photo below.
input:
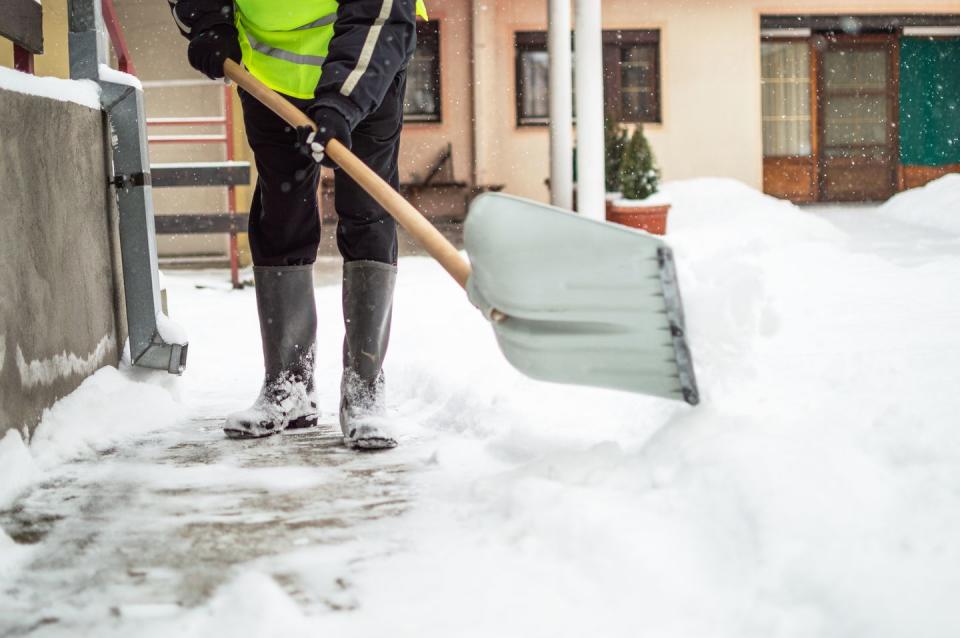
(123, 104)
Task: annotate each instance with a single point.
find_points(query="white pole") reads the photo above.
(561, 104)
(589, 77)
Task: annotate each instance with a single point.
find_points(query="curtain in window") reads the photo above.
(534, 84)
(785, 79)
(638, 83)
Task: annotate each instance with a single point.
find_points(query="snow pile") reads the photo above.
(716, 216)
(811, 493)
(12, 555)
(18, 469)
(82, 92)
(230, 612)
(935, 205)
(107, 408)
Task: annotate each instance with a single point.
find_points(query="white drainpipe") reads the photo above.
(589, 78)
(561, 104)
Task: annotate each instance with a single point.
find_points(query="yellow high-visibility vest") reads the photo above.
(284, 43)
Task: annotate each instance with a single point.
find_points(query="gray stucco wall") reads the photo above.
(57, 282)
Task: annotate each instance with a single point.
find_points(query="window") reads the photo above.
(422, 100)
(631, 76)
(533, 78)
(785, 82)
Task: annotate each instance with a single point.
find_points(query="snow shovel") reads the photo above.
(571, 300)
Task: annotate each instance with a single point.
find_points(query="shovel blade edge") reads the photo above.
(587, 302)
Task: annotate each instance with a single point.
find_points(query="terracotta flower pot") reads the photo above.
(608, 200)
(652, 219)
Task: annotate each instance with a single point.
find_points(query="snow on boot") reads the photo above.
(288, 331)
(362, 413)
(367, 308)
(284, 403)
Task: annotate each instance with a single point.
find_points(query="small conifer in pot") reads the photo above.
(639, 180)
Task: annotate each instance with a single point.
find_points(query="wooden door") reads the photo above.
(857, 104)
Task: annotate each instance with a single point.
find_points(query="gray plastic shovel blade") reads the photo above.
(586, 302)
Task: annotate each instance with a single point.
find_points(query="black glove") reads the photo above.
(331, 125)
(209, 49)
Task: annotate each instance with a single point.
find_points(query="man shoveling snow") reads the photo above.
(345, 66)
(554, 320)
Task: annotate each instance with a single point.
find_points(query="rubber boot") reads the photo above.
(367, 308)
(288, 330)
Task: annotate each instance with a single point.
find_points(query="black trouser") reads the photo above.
(284, 216)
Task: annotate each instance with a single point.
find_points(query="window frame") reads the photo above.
(813, 70)
(614, 40)
(525, 41)
(432, 29)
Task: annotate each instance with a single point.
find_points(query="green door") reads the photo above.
(929, 101)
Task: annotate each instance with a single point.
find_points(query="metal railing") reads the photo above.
(125, 64)
(227, 139)
(112, 22)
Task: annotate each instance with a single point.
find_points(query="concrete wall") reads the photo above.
(57, 280)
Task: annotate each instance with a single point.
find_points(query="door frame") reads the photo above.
(819, 44)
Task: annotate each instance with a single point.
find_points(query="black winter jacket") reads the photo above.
(364, 57)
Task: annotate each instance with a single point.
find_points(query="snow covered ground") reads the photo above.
(814, 492)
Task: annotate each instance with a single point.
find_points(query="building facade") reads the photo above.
(811, 100)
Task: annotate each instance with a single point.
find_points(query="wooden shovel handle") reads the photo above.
(399, 208)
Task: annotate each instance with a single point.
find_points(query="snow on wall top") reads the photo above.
(82, 92)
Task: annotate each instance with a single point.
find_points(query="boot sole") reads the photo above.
(246, 434)
(303, 422)
(300, 423)
(370, 444)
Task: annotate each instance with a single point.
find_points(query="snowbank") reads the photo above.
(810, 494)
(18, 468)
(82, 92)
(935, 205)
(107, 408)
(712, 216)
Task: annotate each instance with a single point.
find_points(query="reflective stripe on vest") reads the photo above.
(289, 56)
(319, 22)
(285, 48)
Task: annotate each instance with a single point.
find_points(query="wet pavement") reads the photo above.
(157, 526)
